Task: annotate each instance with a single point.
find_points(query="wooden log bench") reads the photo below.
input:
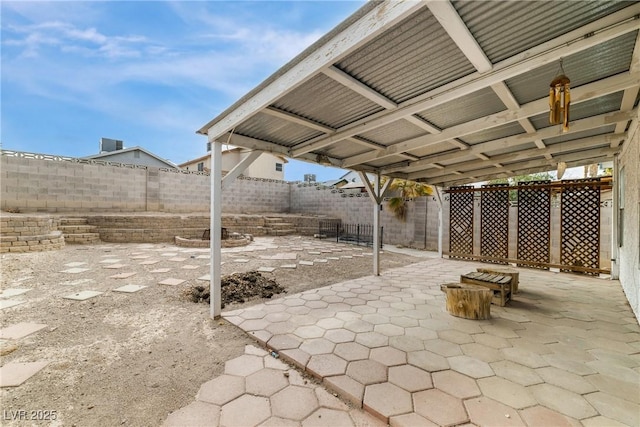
(504, 271)
(499, 285)
(467, 301)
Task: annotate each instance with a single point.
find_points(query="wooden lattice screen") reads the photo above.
(494, 223)
(580, 225)
(534, 224)
(461, 223)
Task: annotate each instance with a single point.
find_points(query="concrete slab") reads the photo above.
(14, 374)
(75, 264)
(160, 270)
(190, 267)
(123, 275)
(206, 277)
(302, 262)
(110, 261)
(20, 330)
(13, 292)
(8, 303)
(75, 270)
(240, 260)
(128, 289)
(289, 266)
(177, 259)
(150, 262)
(114, 266)
(171, 282)
(266, 269)
(82, 296)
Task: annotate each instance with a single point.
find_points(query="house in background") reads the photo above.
(267, 166)
(112, 150)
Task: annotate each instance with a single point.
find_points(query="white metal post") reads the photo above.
(376, 225)
(440, 218)
(216, 230)
(615, 252)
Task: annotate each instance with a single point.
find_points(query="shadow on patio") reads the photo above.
(565, 351)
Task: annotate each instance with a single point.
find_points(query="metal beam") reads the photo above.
(293, 118)
(575, 41)
(455, 27)
(630, 94)
(579, 94)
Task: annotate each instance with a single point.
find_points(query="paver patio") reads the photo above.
(565, 351)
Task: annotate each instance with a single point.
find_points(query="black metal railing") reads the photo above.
(357, 234)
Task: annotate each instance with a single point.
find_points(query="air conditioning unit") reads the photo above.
(107, 145)
(310, 177)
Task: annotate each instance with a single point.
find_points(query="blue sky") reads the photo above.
(149, 73)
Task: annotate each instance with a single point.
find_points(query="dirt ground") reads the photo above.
(131, 359)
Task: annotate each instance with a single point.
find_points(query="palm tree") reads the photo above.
(407, 190)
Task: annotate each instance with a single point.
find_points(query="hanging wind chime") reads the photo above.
(559, 100)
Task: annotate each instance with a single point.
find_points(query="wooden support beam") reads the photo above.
(228, 179)
(359, 87)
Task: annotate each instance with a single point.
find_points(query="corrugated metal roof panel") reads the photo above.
(345, 149)
(596, 63)
(325, 101)
(411, 58)
(604, 104)
(393, 132)
(587, 133)
(503, 131)
(276, 130)
(386, 161)
(461, 110)
(506, 28)
(512, 149)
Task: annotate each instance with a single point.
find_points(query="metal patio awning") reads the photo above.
(450, 92)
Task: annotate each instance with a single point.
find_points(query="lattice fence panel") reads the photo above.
(534, 223)
(580, 225)
(494, 223)
(461, 223)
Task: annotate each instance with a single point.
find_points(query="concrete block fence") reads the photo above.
(62, 185)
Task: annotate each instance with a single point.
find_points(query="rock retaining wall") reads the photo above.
(19, 233)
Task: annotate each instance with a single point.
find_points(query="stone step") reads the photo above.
(77, 229)
(272, 220)
(280, 226)
(73, 221)
(82, 238)
(282, 232)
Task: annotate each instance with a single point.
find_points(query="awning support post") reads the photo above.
(376, 191)
(439, 198)
(215, 295)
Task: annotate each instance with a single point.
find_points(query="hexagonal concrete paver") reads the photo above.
(388, 356)
(455, 384)
(428, 361)
(367, 371)
(221, 390)
(487, 412)
(439, 407)
(294, 403)
(507, 392)
(351, 351)
(347, 388)
(410, 378)
(406, 343)
(615, 408)
(243, 365)
(386, 400)
(245, 411)
(567, 380)
(410, 420)
(317, 346)
(324, 417)
(372, 339)
(340, 335)
(515, 372)
(563, 401)
(326, 365)
(469, 366)
(541, 416)
(196, 414)
(266, 382)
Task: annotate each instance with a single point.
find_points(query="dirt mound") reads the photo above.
(238, 287)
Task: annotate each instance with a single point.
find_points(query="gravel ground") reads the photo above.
(131, 359)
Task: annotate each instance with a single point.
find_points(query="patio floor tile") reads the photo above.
(439, 407)
(326, 365)
(246, 410)
(507, 392)
(455, 384)
(221, 390)
(386, 400)
(347, 388)
(541, 416)
(266, 382)
(563, 401)
(517, 373)
(171, 282)
(282, 403)
(351, 351)
(487, 412)
(615, 408)
(469, 366)
(367, 371)
(196, 414)
(410, 378)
